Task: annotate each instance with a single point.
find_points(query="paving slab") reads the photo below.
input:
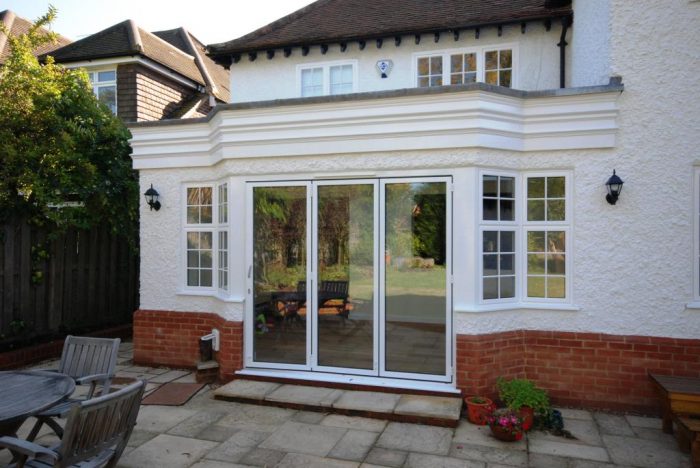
(421, 460)
(367, 401)
(262, 457)
(585, 432)
(139, 437)
(167, 450)
(354, 422)
(217, 464)
(612, 424)
(641, 421)
(169, 376)
(503, 456)
(540, 460)
(643, 453)
(237, 446)
(154, 418)
(416, 438)
(354, 445)
(255, 418)
(216, 433)
(386, 457)
(568, 413)
(567, 449)
(304, 395)
(249, 389)
(472, 434)
(656, 435)
(309, 417)
(193, 425)
(429, 406)
(304, 438)
(297, 460)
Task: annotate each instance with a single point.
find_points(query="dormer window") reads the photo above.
(104, 85)
(454, 67)
(327, 78)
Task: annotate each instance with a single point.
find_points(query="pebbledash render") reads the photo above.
(413, 196)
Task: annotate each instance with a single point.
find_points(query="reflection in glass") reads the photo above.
(346, 276)
(279, 273)
(415, 283)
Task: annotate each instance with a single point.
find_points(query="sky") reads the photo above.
(210, 21)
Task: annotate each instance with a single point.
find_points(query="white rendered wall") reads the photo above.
(632, 263)
(590, 43)
(263, 79)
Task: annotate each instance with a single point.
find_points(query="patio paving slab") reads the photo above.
(386, 457)
(641, 421)
(304, 395)
(354, 445)
(262, 457)
(309, 417)
(612, 424)
(354, 422)
(586, 433)
(217, 464)
(193, 425)
(170, 451)
(416, 438)
(514, 458)
(566, 449)
(367, 401)
(304, 438)
(256, 418)
(216, 433)
(248, 389)
(429, 406)
(643, 453)
(237, 446)
(568, 413)
(161, 418)
(169, 376)
(472, 434)
(421, 460)
(298, 460)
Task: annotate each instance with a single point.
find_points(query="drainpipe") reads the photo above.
(565, 24)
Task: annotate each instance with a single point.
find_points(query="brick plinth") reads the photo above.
(172, 339)
(589, 370)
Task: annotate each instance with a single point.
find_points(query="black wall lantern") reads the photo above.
(152, 198)
(614, 185)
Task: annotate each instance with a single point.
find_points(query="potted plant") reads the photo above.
(478, 409)
(523, 396)
(506, 425)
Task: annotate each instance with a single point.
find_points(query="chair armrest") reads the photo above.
(46, 370)
(92, 379)
(29, 449)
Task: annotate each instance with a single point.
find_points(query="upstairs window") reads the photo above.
(327, 79)
(488, 64)
(104, 85)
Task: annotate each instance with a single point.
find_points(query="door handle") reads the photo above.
(250, 270)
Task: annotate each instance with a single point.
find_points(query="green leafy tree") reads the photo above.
(64, 157)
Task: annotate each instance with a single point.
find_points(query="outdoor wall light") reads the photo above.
(152, 198)
(614, 185)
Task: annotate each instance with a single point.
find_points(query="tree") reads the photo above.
(64, 157)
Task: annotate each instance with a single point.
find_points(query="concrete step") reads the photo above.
(402, 407)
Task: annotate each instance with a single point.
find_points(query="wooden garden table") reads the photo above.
(679, 395)
(26, 393)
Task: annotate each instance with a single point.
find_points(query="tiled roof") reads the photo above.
(327, 21)
(17, 26)
(170, 48)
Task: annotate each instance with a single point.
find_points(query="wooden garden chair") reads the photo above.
(89, 361)
(96, 433)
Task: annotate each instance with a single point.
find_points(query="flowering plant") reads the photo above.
(507, 420)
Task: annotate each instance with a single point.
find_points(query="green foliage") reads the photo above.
(65, 157)
(517, 393)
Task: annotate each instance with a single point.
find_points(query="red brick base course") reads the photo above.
(589, 370)
(172, 339)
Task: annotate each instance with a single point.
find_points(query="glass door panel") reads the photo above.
(279, 274)
(345, 291)
(415, 277)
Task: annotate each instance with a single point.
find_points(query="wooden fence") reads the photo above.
(89, 281)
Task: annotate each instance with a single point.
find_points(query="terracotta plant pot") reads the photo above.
(478, 411)
(527, 414)
(506, 435)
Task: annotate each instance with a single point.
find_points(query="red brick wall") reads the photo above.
(172, 339)
(590, 370)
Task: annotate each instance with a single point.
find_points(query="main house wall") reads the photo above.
(265, 79)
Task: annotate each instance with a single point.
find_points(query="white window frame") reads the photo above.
(326, 67)
(564, 225)
(522, 226)
(101, 84)
(223, 227)
(199, 227)
(480, 61)
(696, 239)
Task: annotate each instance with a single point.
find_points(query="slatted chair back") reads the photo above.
(83, 356)
(99, 428)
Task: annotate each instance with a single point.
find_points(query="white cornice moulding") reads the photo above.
(466, 119)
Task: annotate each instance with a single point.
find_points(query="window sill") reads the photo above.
(693, 305)
(481, 308)
(212, 294)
